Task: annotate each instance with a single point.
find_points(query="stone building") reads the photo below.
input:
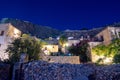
(108, 34)
(7, 34)
(51, 48)
(103, 35)
(96, 36)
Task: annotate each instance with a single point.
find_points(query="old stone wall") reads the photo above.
(41, 70)
(62, 59)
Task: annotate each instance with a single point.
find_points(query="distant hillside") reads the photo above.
(84, 32)
(116, 24)
(32, 29)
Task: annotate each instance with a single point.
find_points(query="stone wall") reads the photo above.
(62, 59)
(41, 70)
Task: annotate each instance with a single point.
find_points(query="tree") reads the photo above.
(101, 50)
(80, 49)
(62, 41)
(24, 44)
(116, 58)
(111, 50)
(116, 45)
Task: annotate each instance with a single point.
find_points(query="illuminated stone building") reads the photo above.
(103, 35)
(7, 34)
(96, 36)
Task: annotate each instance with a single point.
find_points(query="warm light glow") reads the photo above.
(48, 46)
(108, 60)
(51, 48)
(47, 52)
(16, 33)
(105, 60)
(66, 44)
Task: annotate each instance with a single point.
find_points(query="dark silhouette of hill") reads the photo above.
(33, 29)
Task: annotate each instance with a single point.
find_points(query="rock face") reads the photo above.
(41, 70)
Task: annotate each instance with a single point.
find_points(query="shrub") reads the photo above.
(116, 58)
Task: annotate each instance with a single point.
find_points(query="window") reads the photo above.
(2, 33)
(101, 38)
(112, 35)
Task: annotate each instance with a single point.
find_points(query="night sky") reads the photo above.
(63, 14)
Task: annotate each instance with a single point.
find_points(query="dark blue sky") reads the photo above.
(63, 14)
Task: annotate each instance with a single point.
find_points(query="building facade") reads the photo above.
(95, 36)
(108, 34)
(48, 49)
(7, 34)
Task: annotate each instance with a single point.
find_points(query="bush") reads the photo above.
(116, 58)
(80, 49)
(25, 44)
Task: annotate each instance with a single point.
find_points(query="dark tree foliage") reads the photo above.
(108, 51)
(62, 40)
(80, 49)
(116, 58)
(25, 44)
(116, 46)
